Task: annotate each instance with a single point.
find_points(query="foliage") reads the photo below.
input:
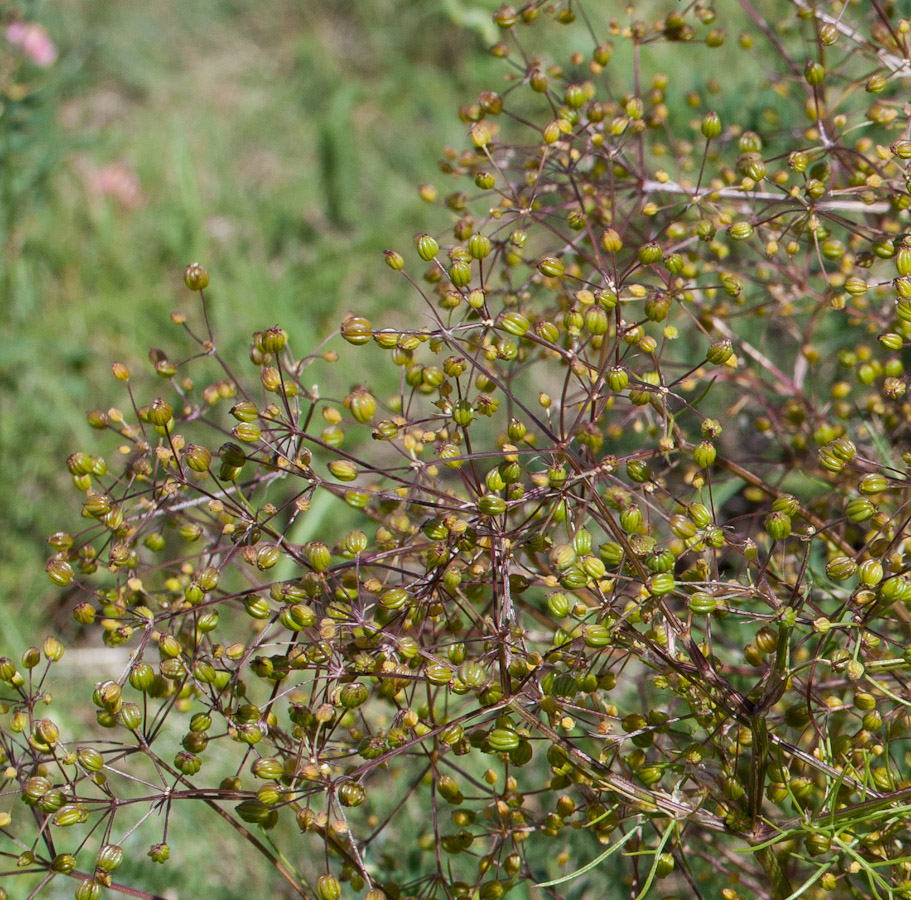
(622, 561)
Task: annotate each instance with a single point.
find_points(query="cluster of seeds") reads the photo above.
(608, 548)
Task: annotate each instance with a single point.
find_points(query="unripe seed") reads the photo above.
(814, 73)
(704, 454)
(711, 126)
(394, 260)
(860, 510)
(351, 793)
(551, 267)
(160, 412)
(870, 572)
(196, 277)
(740, 231)
(479, 246)
(427, 247)
(702, 604)
(159, 853)
(663, 583)
(88, 889)
(638, 471)
(109, 857)
(343, 469)
(59, 571)
(720, 352)
(504, 17)
(874, 483)
(492, 505)
(778, 525)
(64, 863)
(611, 241)
(903, 259)
(650, 253)
(503, 739)
(596, 635)
(515, 323)
(617, 378)
(841, 568)
(356, 330)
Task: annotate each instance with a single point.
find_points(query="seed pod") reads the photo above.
(269, 769)
(90, 759)
(650, 253)
(196, 277)
(159, 853)
(343, 469)
(356, 329)
(617, 378)
(903, 259)
(649, 775)
(870, 572)
(860, 510)
(502, 740)
(394, 260)
(596, 635)
(551, 266)
(160, 412)
(70, 814)
(64, 863)
(874, 483)
(896, 589)
(353, 695)
(109, 857)
(274, 340)
(778, 525)
(254, 812)
(298, 617)
(638, 471)
(427, 247)
(448, 789)
(710, 126)
(704, 454)
(611, 241)
(88, 889)
(841, 568)
(59, 571)
(504, 17)
(740, 231)
(130, 716)
(702, 604)
(351, 793)
(460, 273)
(492, 505)
(720, 352)
(814, 73)
(593, 567)
(46, 732)
(596, 321)
(631, 519)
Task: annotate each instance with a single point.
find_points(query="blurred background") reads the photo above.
(281, 145)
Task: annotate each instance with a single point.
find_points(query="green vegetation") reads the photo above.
(586, 563)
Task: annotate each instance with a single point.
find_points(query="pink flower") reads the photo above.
(33, 41)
